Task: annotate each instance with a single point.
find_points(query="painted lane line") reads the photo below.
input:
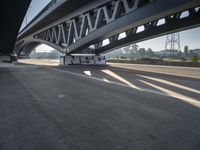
(156, 71)
(176, 95)
(164, 92)
(116, 76)
(88, 73)
(109, 82)
(171, 83)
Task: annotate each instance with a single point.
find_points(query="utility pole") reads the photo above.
(172, 43)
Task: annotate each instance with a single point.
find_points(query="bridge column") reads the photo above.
(79, 59)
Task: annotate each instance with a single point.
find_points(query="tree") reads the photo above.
(134, 49)
(195, 59)
(141, 52)
(149, 52)
(126, 50)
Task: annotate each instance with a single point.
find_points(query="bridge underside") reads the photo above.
(102, 26)
(26, 50)
(12, 14)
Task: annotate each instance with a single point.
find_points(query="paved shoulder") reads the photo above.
(190, 72)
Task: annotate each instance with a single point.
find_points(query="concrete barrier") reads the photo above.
(4, 58)
(8, 58)
(82, 60)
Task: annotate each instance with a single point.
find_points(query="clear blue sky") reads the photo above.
(189, 37)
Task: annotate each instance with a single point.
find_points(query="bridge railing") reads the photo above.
(46, 8)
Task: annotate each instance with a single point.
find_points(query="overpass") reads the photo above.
(109, 107)
(95, 27)
(12, 14)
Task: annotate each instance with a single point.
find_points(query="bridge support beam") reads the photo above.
(82, 60)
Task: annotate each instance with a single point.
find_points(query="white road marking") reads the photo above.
(61, 95)
(156, 66)
(162, 70)
(116, 76)
(165, 92)
(176, 95)
(108, 81)
(171, 83)
(88, 73)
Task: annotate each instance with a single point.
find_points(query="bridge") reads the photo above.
(96, 107)
(11, 22)
(96, 27)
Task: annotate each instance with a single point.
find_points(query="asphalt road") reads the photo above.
(192, 72)
(97, 108)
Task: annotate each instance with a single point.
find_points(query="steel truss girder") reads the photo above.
(111, 19)
(73, 30)
(173, 23)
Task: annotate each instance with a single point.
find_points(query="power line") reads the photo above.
(172, 43)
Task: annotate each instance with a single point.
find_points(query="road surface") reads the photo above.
(192, 72)
(97, 108)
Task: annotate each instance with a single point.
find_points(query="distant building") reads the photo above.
(169, 53)
(195, 51)
(157, 53)
(186, 50)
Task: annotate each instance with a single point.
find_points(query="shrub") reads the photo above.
(195, 59)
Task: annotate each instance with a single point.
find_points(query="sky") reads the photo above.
(35, 7)
(190, 37)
